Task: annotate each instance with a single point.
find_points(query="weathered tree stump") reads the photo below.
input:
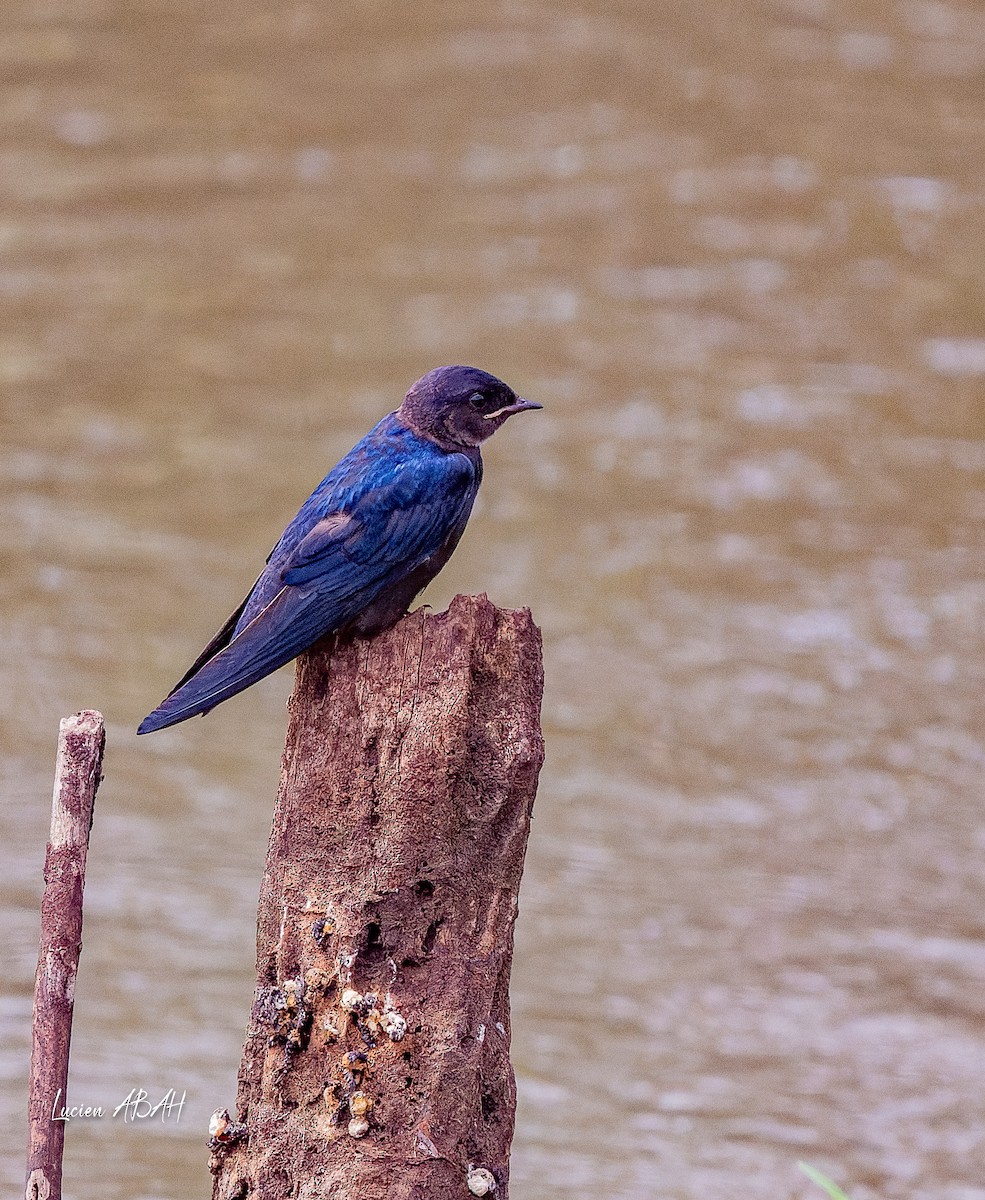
(77, 774)
(376, 1061)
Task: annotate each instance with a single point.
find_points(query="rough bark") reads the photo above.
(376, 1062)
(77, 774)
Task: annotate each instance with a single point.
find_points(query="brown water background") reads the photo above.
(736, 249)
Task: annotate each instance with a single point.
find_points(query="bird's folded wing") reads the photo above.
(221, 640)
(345, 561)
(391, 527)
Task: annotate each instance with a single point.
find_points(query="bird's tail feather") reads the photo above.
(289, 624)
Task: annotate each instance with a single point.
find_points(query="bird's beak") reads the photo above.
(509, 409)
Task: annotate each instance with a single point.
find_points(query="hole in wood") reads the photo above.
(430, 937)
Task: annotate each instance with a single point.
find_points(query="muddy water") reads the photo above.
(735, 249)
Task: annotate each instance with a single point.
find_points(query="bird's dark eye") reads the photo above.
(477, 400)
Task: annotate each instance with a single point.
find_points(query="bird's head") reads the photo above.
(461, 406)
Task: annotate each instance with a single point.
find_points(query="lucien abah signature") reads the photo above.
(137, 1105)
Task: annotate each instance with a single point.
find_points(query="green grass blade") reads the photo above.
(818, 1177)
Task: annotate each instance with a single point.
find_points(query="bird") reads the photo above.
(369, 538)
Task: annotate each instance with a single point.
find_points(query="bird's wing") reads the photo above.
(332, 574)
(397, 524)
(221, 640)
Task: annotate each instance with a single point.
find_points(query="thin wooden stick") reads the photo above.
(77, 774)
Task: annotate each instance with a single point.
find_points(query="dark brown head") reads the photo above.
(460, 406)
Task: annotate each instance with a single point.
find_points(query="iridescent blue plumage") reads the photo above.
(374, 532)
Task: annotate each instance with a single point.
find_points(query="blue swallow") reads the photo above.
(375, 531)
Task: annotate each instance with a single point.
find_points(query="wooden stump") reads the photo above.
(376, 1061)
